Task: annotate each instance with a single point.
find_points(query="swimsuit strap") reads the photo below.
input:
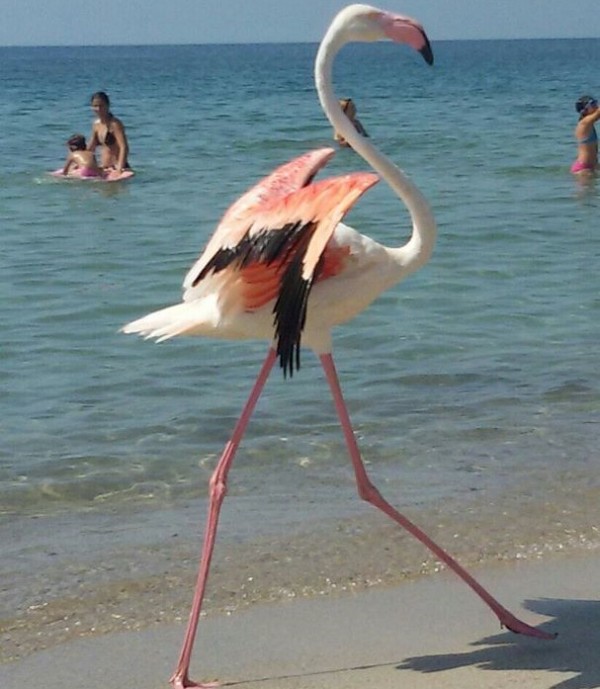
(591, 138)
(109, 137)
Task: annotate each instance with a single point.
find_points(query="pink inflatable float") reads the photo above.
(110, 176)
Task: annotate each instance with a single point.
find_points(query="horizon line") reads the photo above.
(239, 43)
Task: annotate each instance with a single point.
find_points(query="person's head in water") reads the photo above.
(348, 107)
(100, 102)
(585, 104)
(76, 143)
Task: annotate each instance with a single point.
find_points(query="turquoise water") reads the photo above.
(474, 379)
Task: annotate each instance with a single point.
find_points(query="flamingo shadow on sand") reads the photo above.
(575, 652)
(282, 267)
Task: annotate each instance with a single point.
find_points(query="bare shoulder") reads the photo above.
(583, 126)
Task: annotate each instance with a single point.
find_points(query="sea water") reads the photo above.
(473, 386)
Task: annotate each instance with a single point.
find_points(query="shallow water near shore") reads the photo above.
(473, 386)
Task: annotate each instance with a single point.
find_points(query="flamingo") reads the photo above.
(281, 266)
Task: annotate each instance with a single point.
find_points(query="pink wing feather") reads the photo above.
(282, 250)
(287, 178)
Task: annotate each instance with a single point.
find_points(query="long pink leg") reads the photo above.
(368, 492)
(218, 490)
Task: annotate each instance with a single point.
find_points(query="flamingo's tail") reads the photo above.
(182, 319)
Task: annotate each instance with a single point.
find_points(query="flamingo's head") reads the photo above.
(363, 23)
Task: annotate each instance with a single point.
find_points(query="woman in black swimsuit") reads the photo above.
(108, 131)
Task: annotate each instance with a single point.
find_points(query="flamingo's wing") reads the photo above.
(281, 254)
(287, 178)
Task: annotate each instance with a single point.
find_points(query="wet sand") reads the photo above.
(432, 632)
(76, 576)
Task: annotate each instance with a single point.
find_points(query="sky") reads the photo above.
(125, 22)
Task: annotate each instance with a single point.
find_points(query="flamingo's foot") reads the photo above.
(518, 627)
(182, 681)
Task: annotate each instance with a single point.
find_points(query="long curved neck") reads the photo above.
(419, 247)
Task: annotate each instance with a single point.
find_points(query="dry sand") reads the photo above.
(430, 633)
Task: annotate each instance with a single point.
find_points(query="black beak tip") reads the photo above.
(426, 51)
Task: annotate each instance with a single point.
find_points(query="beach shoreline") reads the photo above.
(431, 632)
(68, 578)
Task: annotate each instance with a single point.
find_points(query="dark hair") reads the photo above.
(582, 103)
(100, 95)
(76, 142)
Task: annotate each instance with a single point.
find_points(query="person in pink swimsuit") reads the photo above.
(586, 136)
(79, 160)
